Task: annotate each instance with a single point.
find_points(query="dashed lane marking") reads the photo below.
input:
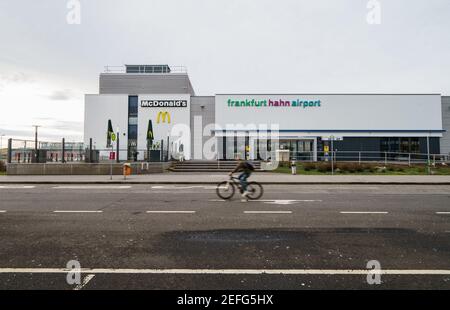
(77, 211)
(235, 271)
(274, 201)
(17, 186)
(92, 187)
(364, 212)
(442, 212)
(267, 212)
(182, 187)
(286, 201)
(171, 212)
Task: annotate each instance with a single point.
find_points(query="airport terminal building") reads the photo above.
(137, 99)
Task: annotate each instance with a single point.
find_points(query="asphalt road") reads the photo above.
(185, 237)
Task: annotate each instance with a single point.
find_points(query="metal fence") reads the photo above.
(28, 151)
(372, 156)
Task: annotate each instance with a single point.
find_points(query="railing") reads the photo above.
(373, 156)
(122, 69)
(23, 151)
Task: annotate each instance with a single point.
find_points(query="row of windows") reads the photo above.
(132, 126)
(132, 106)
(402, 145)
(148, 69)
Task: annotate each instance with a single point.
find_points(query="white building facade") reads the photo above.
(253, 126)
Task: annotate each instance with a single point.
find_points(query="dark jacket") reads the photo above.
(243, 166)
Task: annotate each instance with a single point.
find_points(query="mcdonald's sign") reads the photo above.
(163, 115)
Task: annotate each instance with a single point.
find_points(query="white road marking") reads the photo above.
(285, 201)
(172, 212)
(76, 211)
(277, 202)
(92, 187)
(442, 212)
(235, 271)
(2, 211)
(85, 281)
(17, 186)
(363, 212)
(183, 187)
(267, 212)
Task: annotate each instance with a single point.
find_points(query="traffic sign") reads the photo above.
(112, 155)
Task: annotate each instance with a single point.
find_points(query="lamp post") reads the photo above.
(428, 153)
(36, 142)
(168, 145)
(118, 145)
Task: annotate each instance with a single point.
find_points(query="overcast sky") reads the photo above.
(228, 46)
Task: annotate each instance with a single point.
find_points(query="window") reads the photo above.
(132, 125)
(132, 69)
(410, 145)
(132, 106)
(132, 132)
(415, 145)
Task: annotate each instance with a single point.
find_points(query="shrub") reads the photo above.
(309, 166)
(365, 167)
(353, 167)
(396, 168)
(380, 169)
(342, 167)
(283, 164)
(359, 168)
(348, 167)
(2, 166)
(324, 167)
(369, 167)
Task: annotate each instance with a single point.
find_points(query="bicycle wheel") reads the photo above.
(255, 190)
(225, 190)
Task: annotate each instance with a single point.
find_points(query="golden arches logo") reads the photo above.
(164, 116)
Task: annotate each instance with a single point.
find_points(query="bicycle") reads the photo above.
(226, 189)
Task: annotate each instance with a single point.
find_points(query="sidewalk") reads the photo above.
(208, 178)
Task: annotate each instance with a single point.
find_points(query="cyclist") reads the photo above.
(246, 168)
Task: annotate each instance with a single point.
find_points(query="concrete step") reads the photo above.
(208, 166)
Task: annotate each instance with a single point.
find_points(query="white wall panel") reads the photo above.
(336, 112)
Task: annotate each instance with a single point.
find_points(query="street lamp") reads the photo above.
(168, 145)
(36, 142)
